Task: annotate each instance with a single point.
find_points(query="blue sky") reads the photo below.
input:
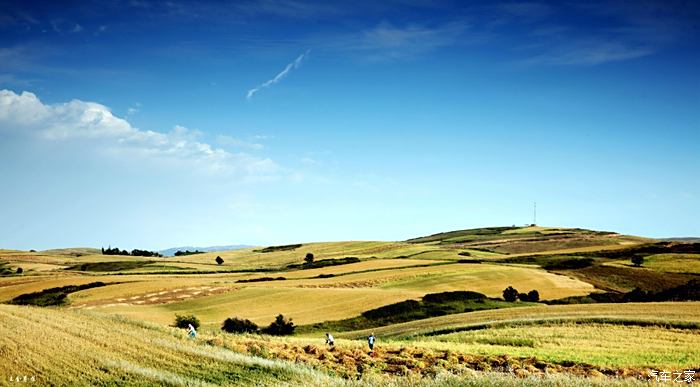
(156, 124)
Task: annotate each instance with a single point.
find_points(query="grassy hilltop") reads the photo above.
(435, 303)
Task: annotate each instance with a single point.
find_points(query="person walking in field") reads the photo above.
(370, 341)
(191, 332)
(329, 340)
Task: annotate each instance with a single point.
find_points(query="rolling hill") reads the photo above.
(584, 280)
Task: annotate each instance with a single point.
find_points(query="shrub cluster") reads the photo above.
(323, 263)
(281, 326)
(271, 249)
(238, 325)
(187, 252)
(135, 252)
(511, 294)
(689, 291)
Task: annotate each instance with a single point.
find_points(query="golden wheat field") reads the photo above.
(121, 331)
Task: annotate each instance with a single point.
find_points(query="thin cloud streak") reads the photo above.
(291, 66)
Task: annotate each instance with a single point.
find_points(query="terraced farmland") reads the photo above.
(514, 345)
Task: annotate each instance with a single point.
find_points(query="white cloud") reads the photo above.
(78, 120)
(293, 65)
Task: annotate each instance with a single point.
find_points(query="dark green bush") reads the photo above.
(238, 325)
(510, 294)
(324, 263)
(637, 260)
(533, 296)
(564, 264)
(53, 296)
(280, 327)
(453, 296)
(182, 321)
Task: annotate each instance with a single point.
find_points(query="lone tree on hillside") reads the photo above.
(219, 260)
(637, 260)
(20, 270)
(510, 294)
(309, 258)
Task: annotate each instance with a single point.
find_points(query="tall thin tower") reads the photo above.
(534, 215)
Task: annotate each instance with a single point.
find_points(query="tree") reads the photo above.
(182, 321)
(20, 270)
(309, 258)
(280, 327)
(219, 260)
(238, 325)
(523, 297)
(510, 294)
(637, 260)
(533, 296)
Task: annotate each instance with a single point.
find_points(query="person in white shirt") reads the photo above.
(329, 340)
(191, 332)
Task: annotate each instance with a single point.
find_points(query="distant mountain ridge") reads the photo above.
(171, 251)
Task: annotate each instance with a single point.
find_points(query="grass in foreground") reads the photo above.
(599, 344)
(60, 347)
(678, 312)
(65, 347)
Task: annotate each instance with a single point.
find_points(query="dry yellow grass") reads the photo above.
(15, 286)
(249, 258)
(669, 263)
(69, 348)
(58, 347)
(373, 264)
(261, 304)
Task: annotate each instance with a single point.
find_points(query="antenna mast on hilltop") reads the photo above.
(534, 215)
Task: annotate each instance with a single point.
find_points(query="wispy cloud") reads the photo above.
(589, 52)
(225, 140)
(134, 109)
(387, 41)
(277, 78)
(603, 32)
(25, 114)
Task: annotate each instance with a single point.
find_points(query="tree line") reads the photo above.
(135, 252)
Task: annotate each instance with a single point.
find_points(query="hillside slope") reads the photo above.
(58, 347)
